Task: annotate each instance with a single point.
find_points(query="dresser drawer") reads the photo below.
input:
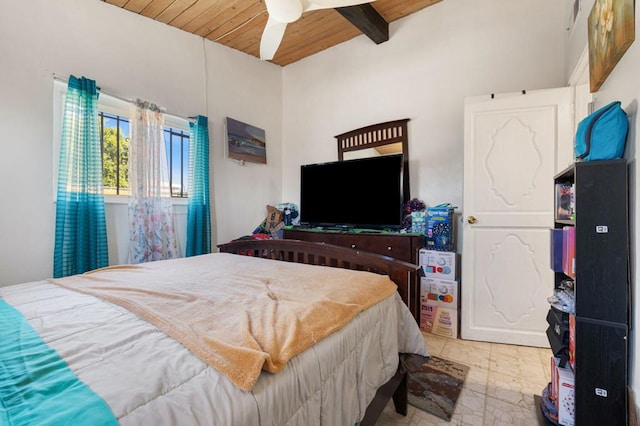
(402, 246)
(396, 247)
(314, 237)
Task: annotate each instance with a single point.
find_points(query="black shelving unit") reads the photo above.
(601, 289)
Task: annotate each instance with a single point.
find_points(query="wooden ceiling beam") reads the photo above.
(367, 19)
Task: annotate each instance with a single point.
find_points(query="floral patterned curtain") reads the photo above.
(151, 228)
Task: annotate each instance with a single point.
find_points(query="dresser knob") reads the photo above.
(389, 248)
(353, 246)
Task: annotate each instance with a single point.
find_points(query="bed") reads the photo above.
(85, 351)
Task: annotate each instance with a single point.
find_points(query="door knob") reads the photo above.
(472, 219)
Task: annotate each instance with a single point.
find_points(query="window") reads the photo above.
(177, 144)
(114, 142)
(114, 130)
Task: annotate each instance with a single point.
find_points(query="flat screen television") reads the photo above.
(363, 193)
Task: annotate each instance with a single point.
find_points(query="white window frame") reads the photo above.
(111, 105)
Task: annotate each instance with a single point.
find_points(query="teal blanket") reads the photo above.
(36, 385)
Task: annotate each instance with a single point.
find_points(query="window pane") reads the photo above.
(109, 155)
(176, 166)
(109, 122)
(115, 153)
(123, 164)
(177, 147)
(124, 159)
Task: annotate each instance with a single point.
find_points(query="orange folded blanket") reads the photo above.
(239, 314)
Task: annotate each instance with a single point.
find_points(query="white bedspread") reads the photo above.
(147, 378)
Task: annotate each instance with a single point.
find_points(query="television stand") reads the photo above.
(401, 246)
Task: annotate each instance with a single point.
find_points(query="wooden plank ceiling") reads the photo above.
(239, 23)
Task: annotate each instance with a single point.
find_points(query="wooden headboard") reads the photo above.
(401, 273)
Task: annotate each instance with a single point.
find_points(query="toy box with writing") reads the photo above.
(563, 392)
(427, 315)
(438, 320)
(438, 292)
(440, 228)
(445, 323)
(438, 264)
(565, 401)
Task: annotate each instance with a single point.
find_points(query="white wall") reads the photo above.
(129, 56)
(433, 60)
(248, 90)
(623, 85)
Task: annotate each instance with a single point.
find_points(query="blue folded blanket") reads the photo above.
(36, 385)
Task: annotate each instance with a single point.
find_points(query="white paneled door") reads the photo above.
(511, 147)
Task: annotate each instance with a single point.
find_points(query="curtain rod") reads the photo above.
(66, 81)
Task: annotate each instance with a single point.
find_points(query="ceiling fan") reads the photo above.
(283, 12)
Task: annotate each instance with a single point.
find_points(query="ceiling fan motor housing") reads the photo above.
(284, 10)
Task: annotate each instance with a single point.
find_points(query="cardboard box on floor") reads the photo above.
(427, 315)
(438, 320)
(445, 323)
(438, 264)
(563, 391)
(439, 292)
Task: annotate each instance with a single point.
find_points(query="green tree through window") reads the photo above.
(115, 160)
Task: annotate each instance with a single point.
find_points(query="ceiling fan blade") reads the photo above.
(271, 38)
(282, 12)
(330, 4)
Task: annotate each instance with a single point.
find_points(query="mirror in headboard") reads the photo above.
(378, 139)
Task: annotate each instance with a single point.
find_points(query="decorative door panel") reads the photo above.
(503, 140)
(510, 152)
(509, 267)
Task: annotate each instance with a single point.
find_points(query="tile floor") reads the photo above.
(498, 390)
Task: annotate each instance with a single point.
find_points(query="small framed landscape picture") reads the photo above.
(246, 142)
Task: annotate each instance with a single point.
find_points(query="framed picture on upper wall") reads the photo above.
(246, 142)
(611, 30)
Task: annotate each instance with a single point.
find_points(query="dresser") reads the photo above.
(400, 246)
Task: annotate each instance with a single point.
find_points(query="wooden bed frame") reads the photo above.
(402, 273)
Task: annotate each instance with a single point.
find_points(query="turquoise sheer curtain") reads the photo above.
(198, 213)
(81, 230)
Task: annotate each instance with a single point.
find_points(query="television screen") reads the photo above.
(362, 193)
